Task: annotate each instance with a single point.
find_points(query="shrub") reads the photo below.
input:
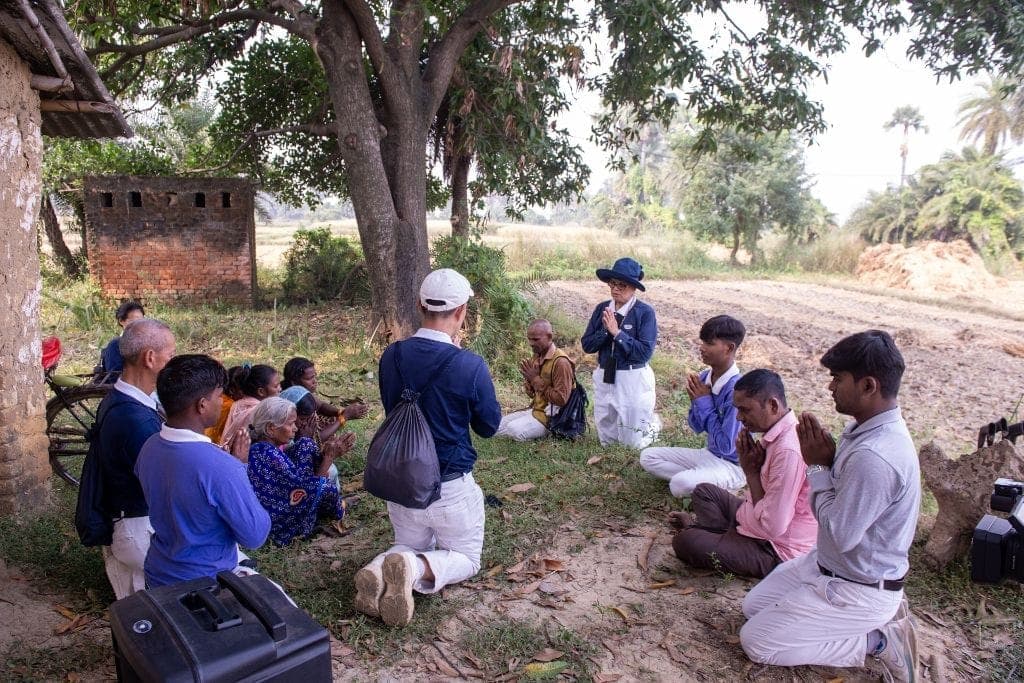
(319, 267)
(498, 313)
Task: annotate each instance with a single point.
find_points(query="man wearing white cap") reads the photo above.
(441, 544)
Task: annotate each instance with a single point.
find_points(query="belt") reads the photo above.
(638, 366)
(885, 584)
(452, 476)
(131, 515)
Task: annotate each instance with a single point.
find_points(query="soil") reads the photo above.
(928, 267)
(646, 615)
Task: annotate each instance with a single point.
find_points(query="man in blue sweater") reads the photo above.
(711, 412)
(201, 504)
(128, 416)
(441, 544)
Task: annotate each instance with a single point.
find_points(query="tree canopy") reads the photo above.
(343, 95)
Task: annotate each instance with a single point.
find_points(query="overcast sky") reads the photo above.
(856, 154)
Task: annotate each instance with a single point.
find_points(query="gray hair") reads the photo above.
(141, 335)
(271, 412)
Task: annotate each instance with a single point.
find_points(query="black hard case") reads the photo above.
(228, 629)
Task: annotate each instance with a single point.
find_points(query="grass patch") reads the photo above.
(507, 646)
(24, 662)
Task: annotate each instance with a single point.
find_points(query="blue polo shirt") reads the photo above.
(452, 402)
(201, 507)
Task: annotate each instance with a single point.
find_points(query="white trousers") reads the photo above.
(624, 411)
(125, 556)
(685, 468)
(448, 535)
(522, 426)
(798, 616)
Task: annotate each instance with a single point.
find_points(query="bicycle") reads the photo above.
(71, 412)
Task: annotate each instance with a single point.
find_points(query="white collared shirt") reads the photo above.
(182, 435)
(716, 388)
(133, 391)
(435, 335)
(626, 306)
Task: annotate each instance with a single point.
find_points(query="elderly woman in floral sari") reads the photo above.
(291, 478)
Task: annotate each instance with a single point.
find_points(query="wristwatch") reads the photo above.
(812, 469)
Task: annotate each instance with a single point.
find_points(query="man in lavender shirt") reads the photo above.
(773, 522)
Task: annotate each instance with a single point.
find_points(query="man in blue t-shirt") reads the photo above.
(441, 544)
(126, 418)
(201, 505)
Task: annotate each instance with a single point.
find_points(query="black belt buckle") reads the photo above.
(451, 476)
(886, 584)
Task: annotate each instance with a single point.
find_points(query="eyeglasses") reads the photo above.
(615, 284)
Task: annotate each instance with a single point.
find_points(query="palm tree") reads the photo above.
(995, 115)
(908, 117)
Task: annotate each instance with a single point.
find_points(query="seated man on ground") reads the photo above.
(292, 479)
(711, 412)
(548, 382)
(773, 522)
(126, 418)
(844, 599)
(201, 505)
(111, 360)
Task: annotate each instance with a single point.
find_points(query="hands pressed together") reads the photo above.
(529, 370)
(355, 411)
(751, 453)
(610, 323)
(695, 387)
(817, 445)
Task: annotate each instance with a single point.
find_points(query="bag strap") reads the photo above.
(575, 382)
(408, 393)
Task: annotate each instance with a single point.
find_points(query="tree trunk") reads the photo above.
(386, 172)
(51, 226)
(962, 489)
(735, 245)
(460, 195)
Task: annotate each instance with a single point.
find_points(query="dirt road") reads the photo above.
(963, 368)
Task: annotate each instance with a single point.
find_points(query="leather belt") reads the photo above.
(885, 584)
(452, 476)
(620, 368)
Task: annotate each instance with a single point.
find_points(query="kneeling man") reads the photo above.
(774, 522)
(549, 379)
(844, 600)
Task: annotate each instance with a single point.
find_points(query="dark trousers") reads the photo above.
(714, 543)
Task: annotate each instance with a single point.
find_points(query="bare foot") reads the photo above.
(680, 519)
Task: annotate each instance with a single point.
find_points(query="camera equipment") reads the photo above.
(997, 547)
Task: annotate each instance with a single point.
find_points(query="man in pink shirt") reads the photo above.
(773, 522)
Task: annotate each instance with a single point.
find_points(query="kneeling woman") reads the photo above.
(291, 479)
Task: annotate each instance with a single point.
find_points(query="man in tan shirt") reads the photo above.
(548, 381)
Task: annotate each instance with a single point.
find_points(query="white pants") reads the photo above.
(522, 426)
(798, 616)
(624, 411)
(448, 535)
(125, 556)
(684, 468)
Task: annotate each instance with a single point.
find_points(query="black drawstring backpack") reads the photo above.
(570, 422)
(94, 525)
(401, 463)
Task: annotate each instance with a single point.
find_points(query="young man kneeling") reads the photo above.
(773, 523)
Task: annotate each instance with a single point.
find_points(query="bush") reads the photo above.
(320, 267)
(836, 252)
(498, 313)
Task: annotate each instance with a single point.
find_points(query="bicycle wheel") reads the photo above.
(69, 415)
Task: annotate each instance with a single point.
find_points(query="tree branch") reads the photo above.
(318, 129)
(302, 27)
(444, 56)
(366, 24)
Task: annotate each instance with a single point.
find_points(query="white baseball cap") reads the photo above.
(444, 289)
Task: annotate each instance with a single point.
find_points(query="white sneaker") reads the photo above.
(400, 572)
(369, 587)
(899, 658)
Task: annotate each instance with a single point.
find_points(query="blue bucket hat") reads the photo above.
(625, 269)
(294, 394)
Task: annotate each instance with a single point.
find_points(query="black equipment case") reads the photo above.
(228, 629)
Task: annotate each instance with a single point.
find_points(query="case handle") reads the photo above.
(255, 603)
(222, 618)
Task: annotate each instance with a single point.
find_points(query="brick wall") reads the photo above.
(24, 469)
(189, 239)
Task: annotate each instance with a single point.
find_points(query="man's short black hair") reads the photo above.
(762, 384)
(723, 327)
(121, 314)
(868, 354)
(186, 379)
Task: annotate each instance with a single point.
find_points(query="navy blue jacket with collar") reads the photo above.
(634, 345)
(453, 402)
(125, 424)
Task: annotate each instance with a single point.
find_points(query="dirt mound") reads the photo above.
(930, 267)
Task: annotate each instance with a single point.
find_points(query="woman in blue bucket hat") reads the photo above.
(623, 332)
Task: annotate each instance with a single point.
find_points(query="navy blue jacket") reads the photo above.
(460, 398)
(125, 424)
(638, 334)
(110, 356)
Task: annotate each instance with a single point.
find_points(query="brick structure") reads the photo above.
(190, 239)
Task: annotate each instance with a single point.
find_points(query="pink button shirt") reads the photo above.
(783, 516)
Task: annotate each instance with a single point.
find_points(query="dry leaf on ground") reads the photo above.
(547, 655)
(553, 565)
(520, 488)
(593, 460)
(494, 571)
(608, 677)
